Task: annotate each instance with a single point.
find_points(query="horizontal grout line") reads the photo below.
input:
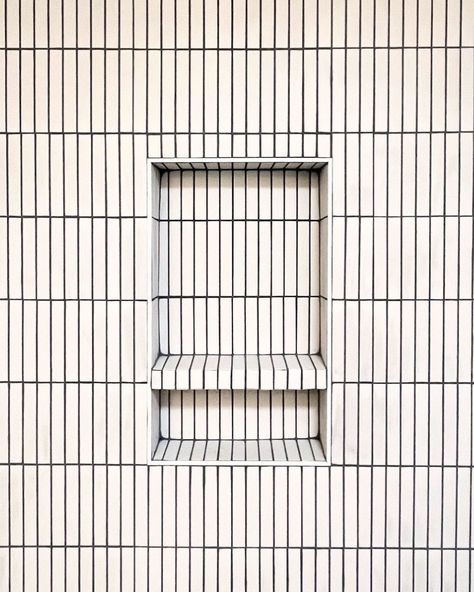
(334, 382)
(92, 382)
(307, 548)
(407, 382)
(401, 216)
(239, 463)
(294, 391)
(299, 132)
(10, 299)
(233, 296)
(243, 440)
(334, 299)
(206, 220)
(72, 217)
(102, 48)
(243, 133)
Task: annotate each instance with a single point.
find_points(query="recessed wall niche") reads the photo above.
(239, 330)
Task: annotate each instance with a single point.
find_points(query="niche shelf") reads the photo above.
(240, 306)
(261, 451)
(268, 372)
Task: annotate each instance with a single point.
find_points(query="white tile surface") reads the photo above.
(365, 523)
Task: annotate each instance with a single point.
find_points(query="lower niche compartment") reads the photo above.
(238, 426)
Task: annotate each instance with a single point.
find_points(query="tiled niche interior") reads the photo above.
(240, 311)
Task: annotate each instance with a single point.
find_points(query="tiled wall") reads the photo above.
(90, 89)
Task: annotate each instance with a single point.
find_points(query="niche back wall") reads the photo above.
(90, 91)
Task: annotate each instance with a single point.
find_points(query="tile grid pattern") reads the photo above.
(91, 90)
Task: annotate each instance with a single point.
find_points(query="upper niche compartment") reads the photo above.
(240, 274)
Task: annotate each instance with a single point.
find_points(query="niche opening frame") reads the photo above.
(171, 373)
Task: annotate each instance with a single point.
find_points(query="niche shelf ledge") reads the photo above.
(275, 451)
(264, 372)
